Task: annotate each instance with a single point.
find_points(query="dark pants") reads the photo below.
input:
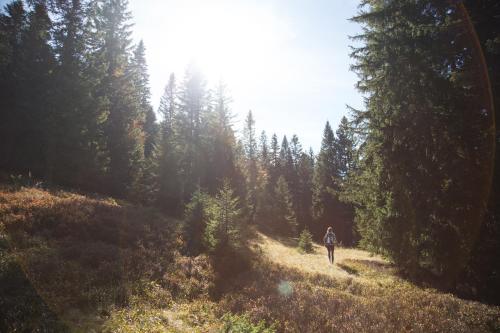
(330, 249)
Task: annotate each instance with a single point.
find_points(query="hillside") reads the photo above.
(70, 262)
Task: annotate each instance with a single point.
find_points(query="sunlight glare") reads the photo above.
(237, 45)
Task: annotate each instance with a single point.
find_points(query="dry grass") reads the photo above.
(286, 254)
(73, 263)
(360, 293)
(79, 257)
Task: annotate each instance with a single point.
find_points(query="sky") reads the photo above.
(286, 60)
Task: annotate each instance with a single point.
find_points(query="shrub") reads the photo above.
(243, 324)
(306, 241)
(189, 277)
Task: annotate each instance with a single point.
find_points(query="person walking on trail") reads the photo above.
(329, 241)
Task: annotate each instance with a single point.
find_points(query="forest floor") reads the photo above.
(76, 263)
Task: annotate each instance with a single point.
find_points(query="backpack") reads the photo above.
(330, 238)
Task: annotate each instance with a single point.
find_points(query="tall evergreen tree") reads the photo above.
(304, 199)
(196, 218)
(284, 220)
(345, 154)
(123, 128)
(13, 25)
(223, 227)
(77, 113)
(141, 85)
(324, 203)
(483, 271)
(169, 193)
(419, 157)
(275, 163)
(222, 142)
(193, 105)
(250, 146)
(35, 144)
(264, 156)
(345, 149)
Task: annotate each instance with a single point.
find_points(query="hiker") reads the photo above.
(329, 241)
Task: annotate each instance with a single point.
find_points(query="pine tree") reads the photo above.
(250, 146)
(265, 190)
(345, 149)
(222, 142)
(293, 177)
(421, 88)
(141, 87)
(324, 203)
(168, 106)
(275, 162)
(123, 128)
(35, 148)
(169, 193)
(345, 154)
(287, 169)
(305, 174)
(223, 228)
(284, 219)
(483, 271)
(193, 106)
(77, 115)
(264, 152)
(196, 218)
(306, 241)
(13, 25)
(295, 149)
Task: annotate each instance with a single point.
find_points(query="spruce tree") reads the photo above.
(13, 25)
(141, 86)
(305, 174)
(284, 220)
(275, 162)
(264, 156)
(250, 146)
(419, 159)
(169, 192)
(193, 106)
(77, 114)
(223, 227)
(123, 128)
(483, 270)
(196, 218)
(222, 141)
(265, 190)
(345, 149)
(324, 203)
(35, 150)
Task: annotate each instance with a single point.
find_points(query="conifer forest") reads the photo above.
(122, 213)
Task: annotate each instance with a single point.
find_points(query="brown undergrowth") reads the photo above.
(82, 256)
(76, 263)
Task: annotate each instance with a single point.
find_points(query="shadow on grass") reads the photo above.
(21, 307)
(348, 269)
(77, 254)
(285, 240)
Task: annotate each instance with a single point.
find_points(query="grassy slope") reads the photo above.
(69, 262)
(360, 293)
(74, 263)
